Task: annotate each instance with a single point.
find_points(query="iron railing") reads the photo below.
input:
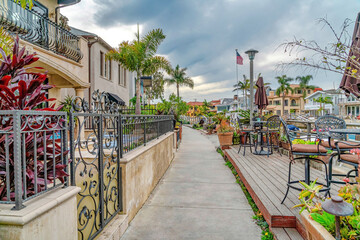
(39, 30)
(33, 154)
(96, 155)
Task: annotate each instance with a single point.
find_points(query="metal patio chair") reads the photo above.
(247, 135)
(300, 152)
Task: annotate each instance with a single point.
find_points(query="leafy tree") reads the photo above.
(6, 42)
(304, 84)
(179, 78)
(140, 56)
(156, 91)
(338, 56)
(25, 3)
(323, 100)
(244, 87)
(284, 88)
(175, 105)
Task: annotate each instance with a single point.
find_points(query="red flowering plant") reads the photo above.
(21, 89)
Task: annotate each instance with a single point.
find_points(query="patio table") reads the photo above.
(262, 151)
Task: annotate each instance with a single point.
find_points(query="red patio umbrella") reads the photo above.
(350, 84)
(261, 99)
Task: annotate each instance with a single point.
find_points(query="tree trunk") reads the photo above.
(177, 89)
(138, 86)
(245, 99)
(283, 104)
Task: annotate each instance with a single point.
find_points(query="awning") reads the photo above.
(115, 98)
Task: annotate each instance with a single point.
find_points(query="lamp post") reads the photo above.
(251, 53)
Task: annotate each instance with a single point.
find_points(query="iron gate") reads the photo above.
(96, 151)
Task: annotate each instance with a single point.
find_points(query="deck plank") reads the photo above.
(266, 179)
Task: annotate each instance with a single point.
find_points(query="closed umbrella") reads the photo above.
(350, 84)
(261, 99)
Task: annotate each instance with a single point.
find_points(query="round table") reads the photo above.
(262, 151)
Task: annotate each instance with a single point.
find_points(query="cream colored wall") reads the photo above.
(51, 5)
(103, 83)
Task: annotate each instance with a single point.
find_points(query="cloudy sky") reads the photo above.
(202, 35)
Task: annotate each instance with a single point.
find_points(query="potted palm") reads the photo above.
(225, 133)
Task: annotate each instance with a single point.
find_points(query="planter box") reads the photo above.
(225, 139)
(314, 230)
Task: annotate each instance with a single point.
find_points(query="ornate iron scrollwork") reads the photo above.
(100, 103)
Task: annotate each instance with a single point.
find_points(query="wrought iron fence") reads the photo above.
(96, 154)
(33, 154)
(37, 29)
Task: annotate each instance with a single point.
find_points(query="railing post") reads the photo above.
(72, 148)
(145, 131)
(308, 128)
(158, 126)
(63, 134)
(17, 160)
(101, 169)
(120, 141)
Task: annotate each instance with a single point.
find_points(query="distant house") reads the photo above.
(214, 104)
(312, 107)
(194, 108)
(225, 104)
(349, 106)
(294, 102)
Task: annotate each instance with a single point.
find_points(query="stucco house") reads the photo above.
(44, 30)
(105, 75)
(312, 107)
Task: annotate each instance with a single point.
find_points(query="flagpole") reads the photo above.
(237, 75)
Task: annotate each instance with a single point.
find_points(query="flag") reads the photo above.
(239, 59)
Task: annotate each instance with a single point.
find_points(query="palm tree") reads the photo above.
(304, 84)
(244, 87)
(178, 77)
(140, 56)
(283, 89)
(323, 100)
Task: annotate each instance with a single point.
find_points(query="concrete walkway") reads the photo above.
(197, 198)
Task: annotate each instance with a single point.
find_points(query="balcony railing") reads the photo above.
(39, 30)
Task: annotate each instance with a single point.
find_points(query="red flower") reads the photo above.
(347, 180)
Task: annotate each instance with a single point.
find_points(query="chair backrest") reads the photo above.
(240, 123)
(273, 122)
(325, 123)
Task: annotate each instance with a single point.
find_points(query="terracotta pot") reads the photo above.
(242, 139)
(314, 230)
(225, 139)
(285, 145)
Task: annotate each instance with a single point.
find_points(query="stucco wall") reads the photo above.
(50, 216)
(104, 83)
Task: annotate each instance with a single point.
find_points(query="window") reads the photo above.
(293, 102)
(270, 103)
(109, 62)
(308, 91)
(286, 102)
(101, 63)
(299, 91)
(106, 69)
(122, 76)
(278, 112)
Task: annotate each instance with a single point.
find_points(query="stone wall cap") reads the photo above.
(36, 207)
(140, 150)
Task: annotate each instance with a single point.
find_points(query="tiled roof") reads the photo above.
(195, 103)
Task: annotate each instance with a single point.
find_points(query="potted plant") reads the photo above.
(225, 133)
(321, 225)
(284, 142)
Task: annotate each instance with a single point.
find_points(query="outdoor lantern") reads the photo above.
(337, 207)
(251, 53)
(147, 81)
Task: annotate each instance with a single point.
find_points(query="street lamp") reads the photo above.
(251, 53)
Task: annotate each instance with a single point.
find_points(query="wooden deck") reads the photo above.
(266, 178)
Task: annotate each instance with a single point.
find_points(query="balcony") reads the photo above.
(39, 30)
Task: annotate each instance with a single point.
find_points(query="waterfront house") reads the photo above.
(44, 30)
(313, 107)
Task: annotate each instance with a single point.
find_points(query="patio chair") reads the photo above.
(272, 128)
(300, 152)
(247, 135)
(347, 158)
(322, 126)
